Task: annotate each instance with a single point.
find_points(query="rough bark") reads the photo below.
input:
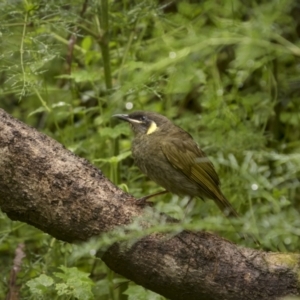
(45, 185)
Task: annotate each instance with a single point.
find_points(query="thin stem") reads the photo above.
(22, 52)
(41, 99)
(104, 41)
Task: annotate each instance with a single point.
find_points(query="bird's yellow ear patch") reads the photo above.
(153, 127)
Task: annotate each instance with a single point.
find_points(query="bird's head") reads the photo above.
(144, 122)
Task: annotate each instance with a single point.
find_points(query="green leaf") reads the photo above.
(76, 283)
(114, 159)
(114, 132)
(86, 43)
(39, 285)
(38, 110)
(136, 292)
(82, 76)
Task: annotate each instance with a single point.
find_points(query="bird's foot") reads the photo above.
(144, 201)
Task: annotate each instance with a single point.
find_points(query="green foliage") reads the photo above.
(227, 72)
(75, 284)
(39, 287)
(135, 292)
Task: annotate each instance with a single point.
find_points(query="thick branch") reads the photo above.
(47, 186)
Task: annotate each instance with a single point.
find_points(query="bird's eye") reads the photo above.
(142, 118)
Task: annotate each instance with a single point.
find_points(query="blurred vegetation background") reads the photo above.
(228, 72)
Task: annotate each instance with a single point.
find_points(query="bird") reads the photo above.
(170, 156)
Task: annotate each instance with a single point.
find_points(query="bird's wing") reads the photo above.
(187, 157)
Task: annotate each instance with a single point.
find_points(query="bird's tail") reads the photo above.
(226, 207)
(230, 212)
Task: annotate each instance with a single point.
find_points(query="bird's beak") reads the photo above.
(126, 118)
(122, 117)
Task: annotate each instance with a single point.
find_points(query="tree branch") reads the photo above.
(45, 185)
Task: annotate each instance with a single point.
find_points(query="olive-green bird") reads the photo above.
(168, 155)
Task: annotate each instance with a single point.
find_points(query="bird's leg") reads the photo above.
(189, 202)
(143, 200)
(187, 205)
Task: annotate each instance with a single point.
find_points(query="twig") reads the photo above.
(13, 292)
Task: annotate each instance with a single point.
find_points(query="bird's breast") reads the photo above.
(150, 159)
(147, 154)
